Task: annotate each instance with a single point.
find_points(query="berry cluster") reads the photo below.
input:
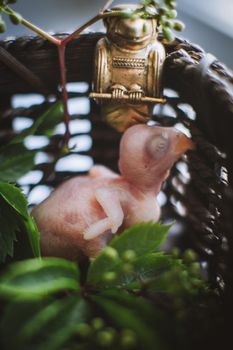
(165, 12)
(14, 16)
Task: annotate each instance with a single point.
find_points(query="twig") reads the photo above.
(61, 53)
(41, 32)
(33, 27)
(93, 20)
(106, 6)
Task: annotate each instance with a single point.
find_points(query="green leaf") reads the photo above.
(15, 198)
(44, 124)
(43, 325)
(130, 312)
(53, 116)
(37, 278)
(15, 217)
(33, 235)
(15, 161)
(9, 225)
(145, 269)
(142, 239)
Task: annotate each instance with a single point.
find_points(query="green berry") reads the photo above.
(168, 23)
(111, 253)
(190, 256)
(127, 268)
(172, 14)
(195, 269)
(84, 330)
(129, 255)
(111, 330)
(167, 33)
(105, 338)
(2, 26)
(162, 11)
(172, 5)
(128, 339)
(175, 252)
(97, 323)
(109, 276)
(178, 26)
(16, 18)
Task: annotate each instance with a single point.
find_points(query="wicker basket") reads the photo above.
(199, 91)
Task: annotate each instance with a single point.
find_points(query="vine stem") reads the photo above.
(61, 54)
(61, 45)
(106, 6)
(40, 32)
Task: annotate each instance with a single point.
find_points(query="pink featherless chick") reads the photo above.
(82, 214)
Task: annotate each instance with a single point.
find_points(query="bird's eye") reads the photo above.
(158, 146)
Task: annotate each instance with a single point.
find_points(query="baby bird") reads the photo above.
(82, 214)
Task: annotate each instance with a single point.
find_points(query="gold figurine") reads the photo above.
(128, 69)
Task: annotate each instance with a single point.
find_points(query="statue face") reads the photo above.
(131, 32)
(134, 30)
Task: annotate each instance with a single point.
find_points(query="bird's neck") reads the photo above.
(149, 184)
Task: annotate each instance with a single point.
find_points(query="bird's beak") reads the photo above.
(183, 144)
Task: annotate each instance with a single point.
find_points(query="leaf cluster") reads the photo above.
(14, 217)
(15, 161)
(132, 296)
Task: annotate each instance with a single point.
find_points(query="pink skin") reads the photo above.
(83, 214)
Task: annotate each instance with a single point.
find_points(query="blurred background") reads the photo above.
(208, 22)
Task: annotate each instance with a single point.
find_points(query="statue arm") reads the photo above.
(156, 58)
(101, 66)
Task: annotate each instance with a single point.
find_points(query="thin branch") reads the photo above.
(106, 6)
(41, 32)
(61, 53)
(93, 20)
(80, 29)
(33, 27)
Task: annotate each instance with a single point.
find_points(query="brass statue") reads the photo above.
(128, 69)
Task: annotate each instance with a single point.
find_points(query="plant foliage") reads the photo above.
(15, 161)
(115, 306)
(14, 218)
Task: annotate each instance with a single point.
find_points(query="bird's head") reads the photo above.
(147, 154)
